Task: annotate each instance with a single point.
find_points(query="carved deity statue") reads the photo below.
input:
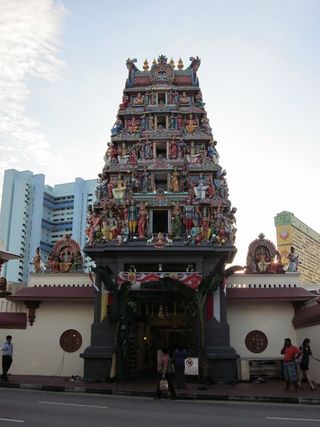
(132, 218)
(184, 99)
(37, 261)
(191, 125)
(142, 221)
(173, 149)
(175, 181)
(93, 226)
(293, 260)
(139, 99)
(133, 125)
(177, 224)
(109, 228)
(125, 103)
(119, 190)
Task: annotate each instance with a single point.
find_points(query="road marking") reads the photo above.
(11, 420)
(73, 404)
(312, 420)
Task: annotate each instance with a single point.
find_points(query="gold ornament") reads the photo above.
(146, 65)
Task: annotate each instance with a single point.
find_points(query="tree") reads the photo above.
(208, 285)
(121, 313)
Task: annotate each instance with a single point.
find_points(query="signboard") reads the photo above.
(191, 366)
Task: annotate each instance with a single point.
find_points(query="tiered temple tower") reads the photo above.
(163, 206)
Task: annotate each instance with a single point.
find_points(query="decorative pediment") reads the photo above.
(65, 256)
(263, 257)
(162, 72)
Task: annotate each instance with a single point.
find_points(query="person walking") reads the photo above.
(7, 350)
(165, 373)
(291, 353)
(304, 363)
(179, 356)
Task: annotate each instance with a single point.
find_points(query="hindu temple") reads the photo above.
(162, 229)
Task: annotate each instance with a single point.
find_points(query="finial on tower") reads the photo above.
(146, 65)
(180, 64)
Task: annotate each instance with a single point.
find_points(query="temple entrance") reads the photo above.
(160, 221)
(165, 325)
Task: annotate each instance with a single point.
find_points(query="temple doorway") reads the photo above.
(163, 324)
(160, 221)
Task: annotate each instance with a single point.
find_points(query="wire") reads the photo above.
(60, 367)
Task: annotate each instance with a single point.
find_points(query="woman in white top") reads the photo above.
(165, 372)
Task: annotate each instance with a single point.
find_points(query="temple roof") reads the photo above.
(163, 73)
(54, 293)
(6, 256)
(285, 294)
(307, 316)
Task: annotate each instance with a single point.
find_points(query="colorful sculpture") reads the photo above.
(293, 260)
(263, 257)
(65, 256)
(142, 221)
(37, 261)
(162, 154)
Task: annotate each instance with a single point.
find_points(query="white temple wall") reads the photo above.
(37, 349)
(273, 319)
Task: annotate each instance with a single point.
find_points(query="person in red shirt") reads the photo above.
(291, 353)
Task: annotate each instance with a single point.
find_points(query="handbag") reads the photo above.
(163, 384)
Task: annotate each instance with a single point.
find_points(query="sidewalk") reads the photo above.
(271, 391)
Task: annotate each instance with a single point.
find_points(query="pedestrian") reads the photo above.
(165, 373)
(304, 363)
(291, 353)
(7, 350)
(179, 356)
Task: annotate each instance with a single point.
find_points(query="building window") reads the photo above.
(256, 341)
(71, 340)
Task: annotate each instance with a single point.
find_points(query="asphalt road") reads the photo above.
(48, 409)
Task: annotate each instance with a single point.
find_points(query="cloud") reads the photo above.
(29, 45)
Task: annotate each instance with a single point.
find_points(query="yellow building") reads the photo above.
(306, 242)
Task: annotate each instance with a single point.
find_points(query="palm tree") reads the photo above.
(121, 313)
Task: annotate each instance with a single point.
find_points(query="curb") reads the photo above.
(180, 396)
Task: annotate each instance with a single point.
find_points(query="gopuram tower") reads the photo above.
(163, 219)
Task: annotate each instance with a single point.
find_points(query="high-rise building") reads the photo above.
(34, 214)
(306, 242)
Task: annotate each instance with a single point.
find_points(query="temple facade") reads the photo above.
(160, 234)
(264, 305)
(163, 215)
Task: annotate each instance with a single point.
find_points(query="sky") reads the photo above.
(62, 73)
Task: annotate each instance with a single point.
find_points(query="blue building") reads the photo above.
(34, 214)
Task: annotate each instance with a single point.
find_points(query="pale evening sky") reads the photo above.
(62, 73)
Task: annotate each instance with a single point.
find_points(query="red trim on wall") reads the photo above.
(54, 293)
(269, 294)
(13, 320)
(307, 317)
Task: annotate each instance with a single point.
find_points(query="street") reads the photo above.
(48, 409)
